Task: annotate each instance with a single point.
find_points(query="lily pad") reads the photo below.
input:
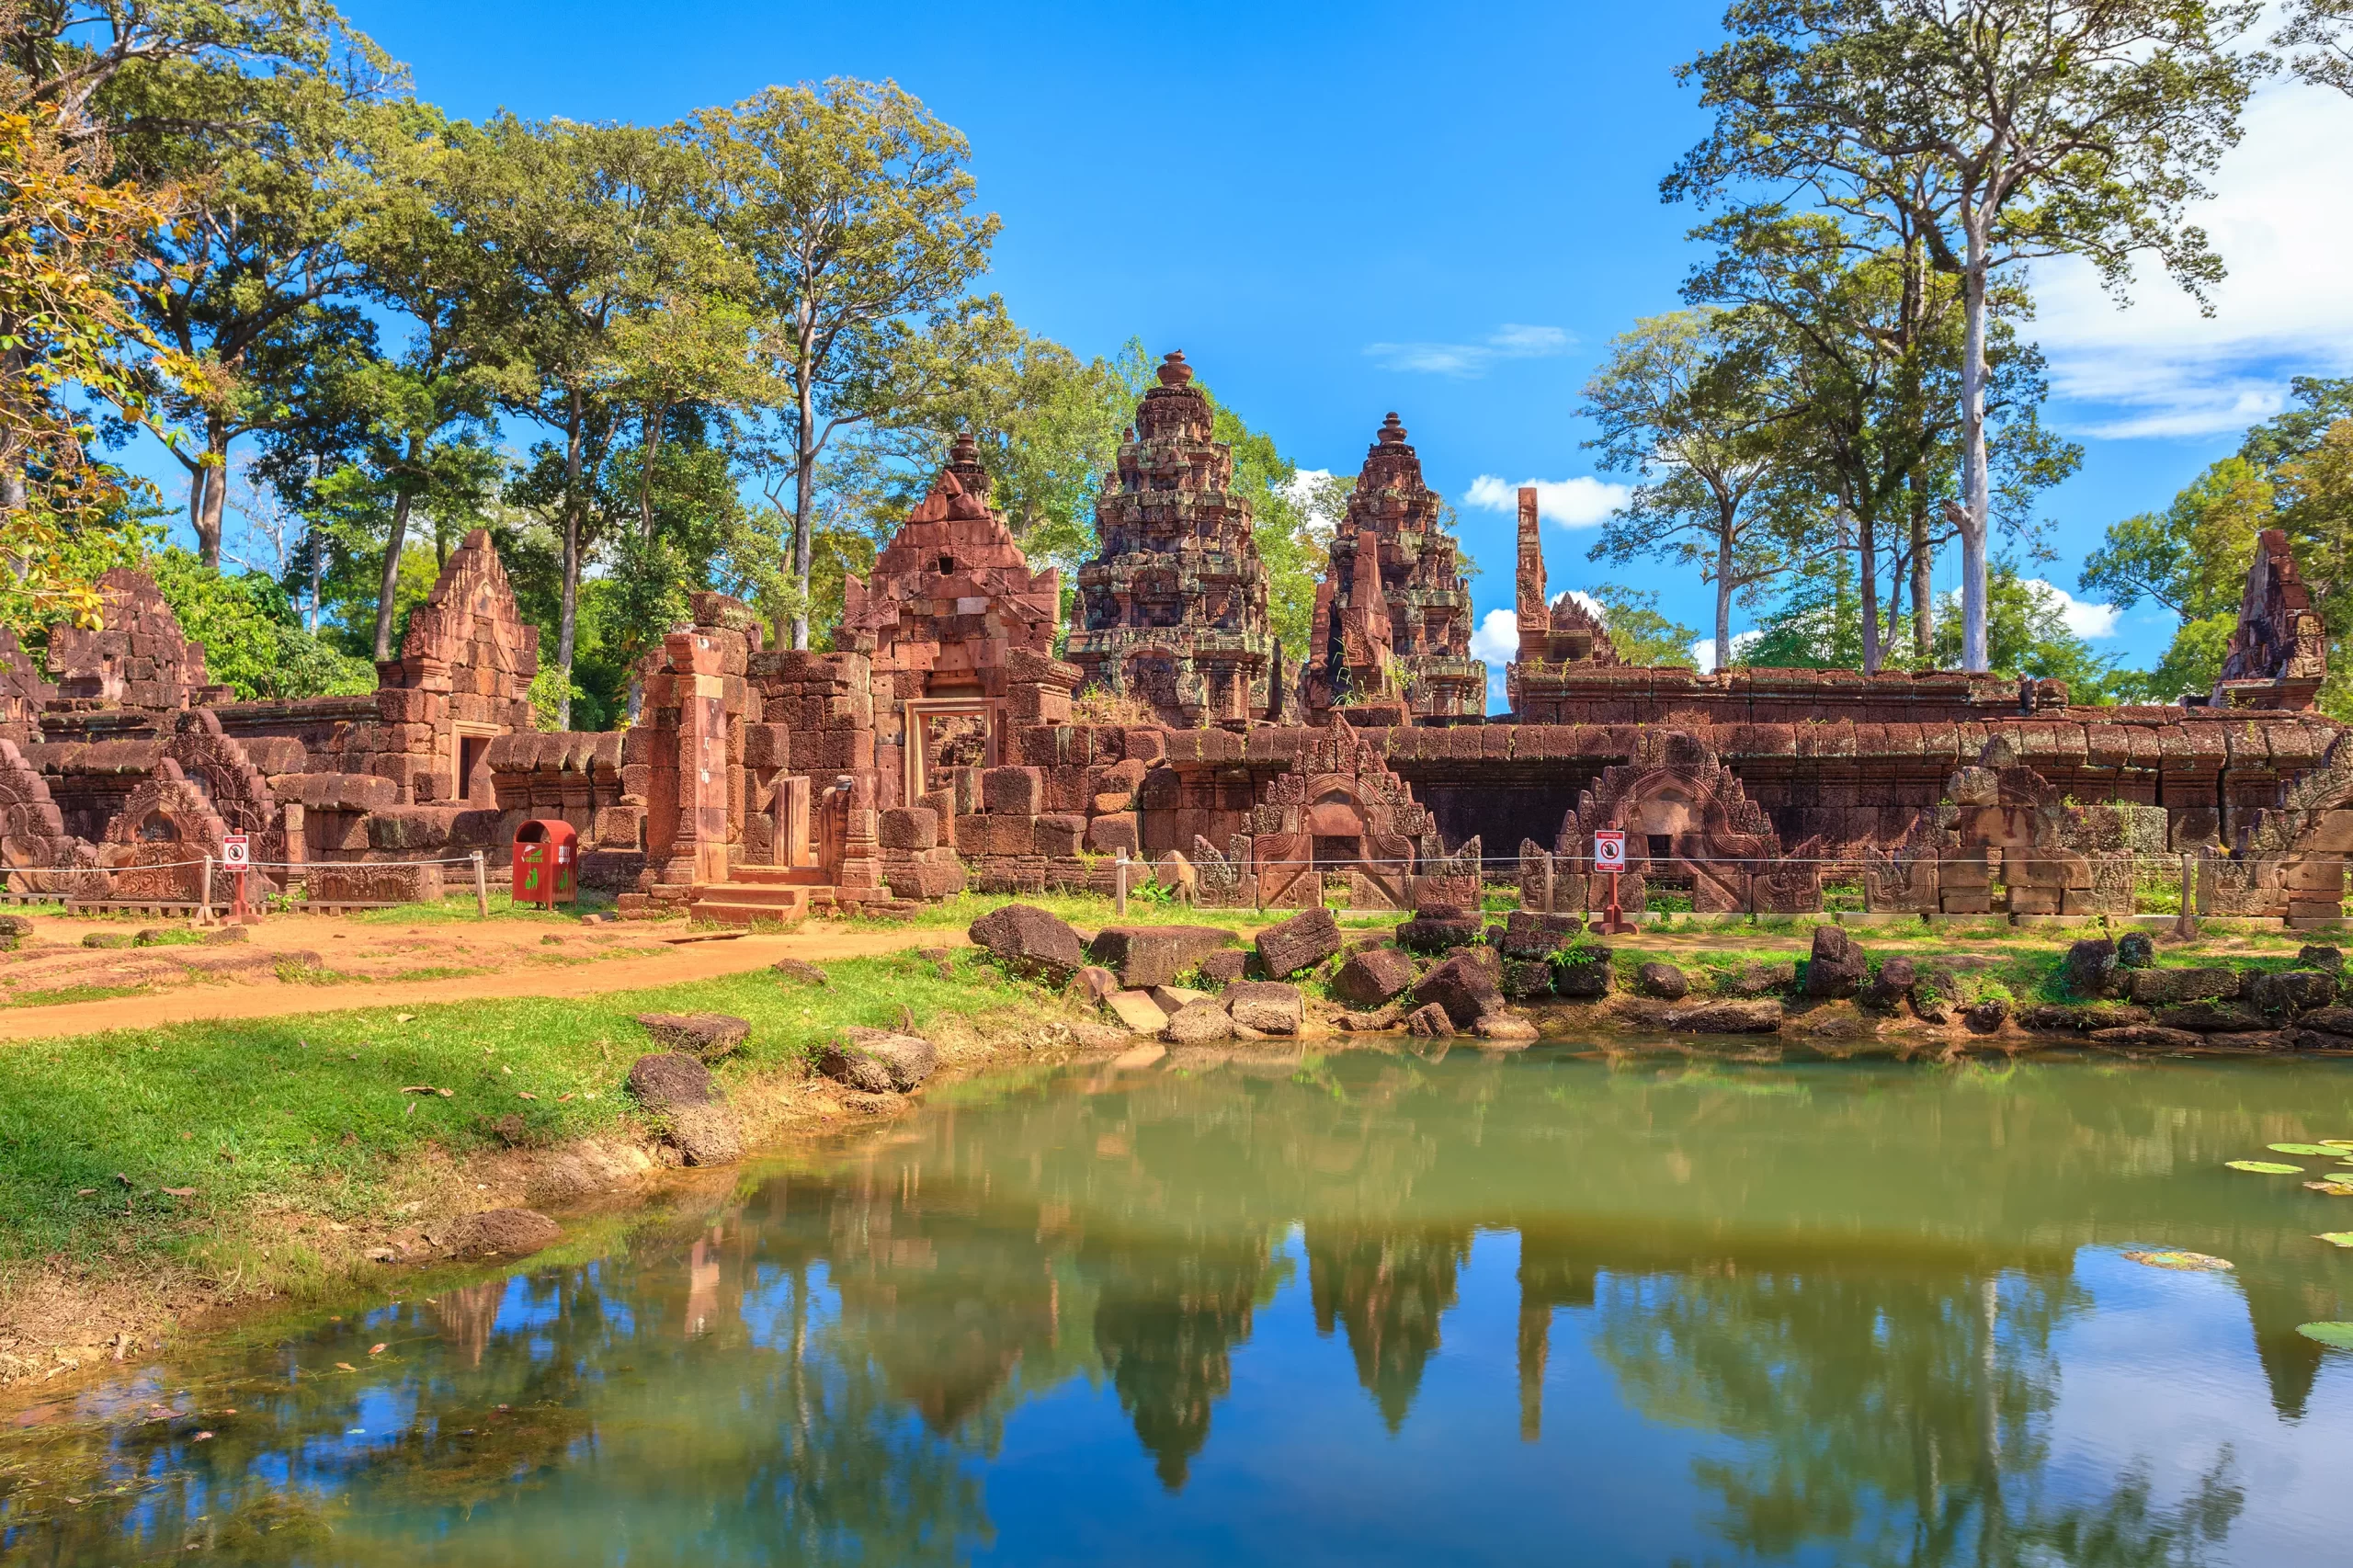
(2195, 1262)
(2336, 1238)
(2338, 1142)
(2338, 1336)
(2264, 1167)
(2321, 1149)
(2334, 1188)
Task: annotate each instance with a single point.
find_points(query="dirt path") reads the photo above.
(674, 957)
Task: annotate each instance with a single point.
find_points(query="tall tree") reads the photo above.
(563, 214)
(253, 285)
(2004, 130)
(1689, 405)
(68, 242)
(412, 427)
(852, 205)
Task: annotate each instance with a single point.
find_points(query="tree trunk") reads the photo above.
(208, 498)
(1976, 501)
(568, 614)
(1724, 591)
(384, 594)
(804, 492)
(1923, 626)
(1866, 558)
(649, 448)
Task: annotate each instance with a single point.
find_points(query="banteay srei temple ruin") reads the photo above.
(944, 743)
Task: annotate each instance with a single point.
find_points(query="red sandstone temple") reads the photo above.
(937, 747)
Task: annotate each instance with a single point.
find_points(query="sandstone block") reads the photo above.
(707, 1035)
(2161, 987)
(670, 1079)
(1299, 943)
(1662, 980)
(908, 827)
(1837, 966)
(1060, 836)
(1109, 835)
(1013, 792)
(1136, 1009)
(1198, 1023)
(1268, 1006)
(1466, 990)
(1028, 941)
(1154, 955)
(1430, 1022)
(1373, 976)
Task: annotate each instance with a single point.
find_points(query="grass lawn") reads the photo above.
(162, 1142)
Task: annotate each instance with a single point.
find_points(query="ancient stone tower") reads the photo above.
(1393, 615)
(1174, 610)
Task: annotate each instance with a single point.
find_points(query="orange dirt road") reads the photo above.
(698, 958)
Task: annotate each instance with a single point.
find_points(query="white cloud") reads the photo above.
(2158, 368)
(1571, 502)
(2083, 619)
(1510, 341)
(1703, 651)
(1496, 638)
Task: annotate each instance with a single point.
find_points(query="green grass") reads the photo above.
(459, 906)
(1093, 912)
(58, 995)
(309, 1112)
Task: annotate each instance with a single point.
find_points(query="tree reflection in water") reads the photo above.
(1851, 1287)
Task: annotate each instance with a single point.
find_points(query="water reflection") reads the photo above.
(1817, 1312)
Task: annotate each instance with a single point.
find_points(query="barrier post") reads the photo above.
(481, 888)
(1120, 881)
(2186, 923)
(204, 904)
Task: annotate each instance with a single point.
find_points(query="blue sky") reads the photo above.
(1336, 211)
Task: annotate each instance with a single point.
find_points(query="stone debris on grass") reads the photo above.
(1146, 956)
(1373, 977)
(1029, 942)
(798, 972)
(1663, 980)
(708, 1036)
(880, 1060)
(1837, 966)
(1137, 1010)
(669, 1079)
(1198, 1023)
(1299, 944)
(1269, 1007)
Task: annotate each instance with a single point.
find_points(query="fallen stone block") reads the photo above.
(706, 1134)
(2293, 992)
(1268, 1007)
(1094, 984)
(906, 1060)
(1299, 943)
(1198, 1023)
(667, 1080)
(1662, 980)
(1762, 979)
(1752, 1017)
(796, 972)
(1427, 934)
(1028, 941)
(1505, 1028)
(1154, 955)
(1137, 1010)
(1886, 989)
(708, 1036)
(2210, 1018)
(1430, 1022)
(1583, 974)
(1463, 987)
(1836, 967)
(1222, 968)
(2161, 987)
(1373, 976)
(2091, 967)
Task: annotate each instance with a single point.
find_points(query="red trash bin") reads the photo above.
(547, 862)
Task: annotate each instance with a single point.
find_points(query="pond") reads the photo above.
(1370, 1308)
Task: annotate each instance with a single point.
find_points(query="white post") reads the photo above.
(204, 907)
(1120, 881)
(481, 888)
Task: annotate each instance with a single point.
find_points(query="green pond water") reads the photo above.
(1368, 1308)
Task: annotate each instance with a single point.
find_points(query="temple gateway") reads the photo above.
(937, 747)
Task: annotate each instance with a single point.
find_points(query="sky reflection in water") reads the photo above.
(1366, 1310)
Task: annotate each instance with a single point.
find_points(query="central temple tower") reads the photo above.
(1174, 610)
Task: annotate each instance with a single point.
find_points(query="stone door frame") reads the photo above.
(916, 714)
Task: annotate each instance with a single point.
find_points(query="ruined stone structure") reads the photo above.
(1392, 614)
(1334, 812)
(1688, 824)
(1174, 610)
(2278, 654)
(937, 745)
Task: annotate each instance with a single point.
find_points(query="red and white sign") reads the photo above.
(236, 852)
(1609, 850)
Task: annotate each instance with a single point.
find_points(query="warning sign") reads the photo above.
(1609, 850)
